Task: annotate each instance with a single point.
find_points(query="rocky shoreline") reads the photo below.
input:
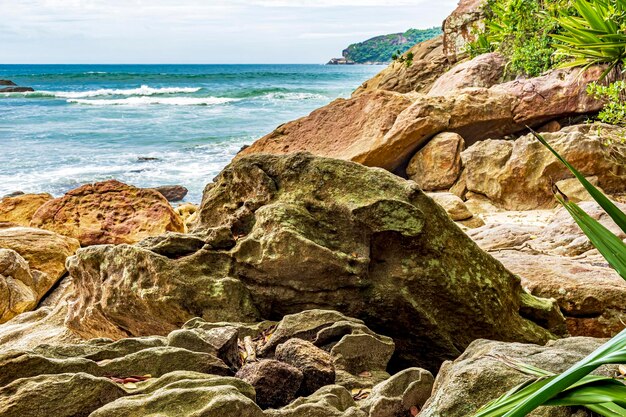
(389, 255)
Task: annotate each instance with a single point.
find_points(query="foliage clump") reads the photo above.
(522, 31)
(614, 96)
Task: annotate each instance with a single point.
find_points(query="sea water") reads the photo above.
(149, 125)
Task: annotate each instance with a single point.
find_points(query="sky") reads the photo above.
(201, 31)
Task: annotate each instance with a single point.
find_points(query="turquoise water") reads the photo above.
(89, 123)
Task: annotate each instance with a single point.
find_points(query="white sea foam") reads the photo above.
(144, 90)
(147, 100)
(295, 96)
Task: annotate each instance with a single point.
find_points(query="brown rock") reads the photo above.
(16, 89)
(7, 82)
(17, 285)
(429, 63)
(437, 165)
(460, 28)
(172, 192)
(275, 383)
(44, 251)
(453, 205)
(20, 209)
(575, 191)
(481, 375)
(591, 295)
(483, 71)
(343, 129)
(108, 212)
(315, 364)
(369, 129)
(517, 175)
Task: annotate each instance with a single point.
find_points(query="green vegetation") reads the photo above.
(614, 95)
(407, 59)
(597, 35)
(383, 48)
(575, 387)
(522, 31)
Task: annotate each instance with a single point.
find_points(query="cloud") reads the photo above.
(202, 30)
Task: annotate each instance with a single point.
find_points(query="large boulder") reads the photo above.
(108, 212)
(429, 63)
(518, 174)
(343, 129)
(385, 129)
(483, 71)
(461, 27)
(437, 165)
(481, 375)
(312, 233)
(20, 209)
(44, 251)
(276, 383)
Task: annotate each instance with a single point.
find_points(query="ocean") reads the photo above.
(149, 125)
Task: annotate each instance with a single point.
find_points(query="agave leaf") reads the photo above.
(612, 210)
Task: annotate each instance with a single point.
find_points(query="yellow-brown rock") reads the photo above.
(109, 212)
(20, 209)
(17, 292)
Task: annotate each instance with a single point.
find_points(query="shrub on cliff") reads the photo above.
(521, 30)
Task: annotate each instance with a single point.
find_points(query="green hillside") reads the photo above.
(380, 48)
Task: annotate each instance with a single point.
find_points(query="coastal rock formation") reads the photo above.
(437, 165)
(481, 375)
(17, 285)
(385, 129)
(7, 82)
(517, 175)
(483, 71)
(44, 251)
(20, 209)
(308, 233)
(555, 260)
(429, 63)
(16, 89)
(108, 212)
(172, 192)
(460, 28)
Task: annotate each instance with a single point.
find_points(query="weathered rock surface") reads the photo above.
(205, 396)
(315, 364)
(108, 212)
(329, 401)
(461, 27)
(7, 82)
(172, 192)
(44, 251)
(385, 129)
(478, 376)
(18, 286)
(429, 62)
(276, 383)
(60, 395)
(21, 208)
(311, 233)
(453, 205)
(343, 129)
(396, 396)
(172, 291)
(437, 165)
(556, 260)
(485, 70)
(517, 175)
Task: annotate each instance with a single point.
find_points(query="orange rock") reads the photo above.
(108, 212)
(20, 209)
